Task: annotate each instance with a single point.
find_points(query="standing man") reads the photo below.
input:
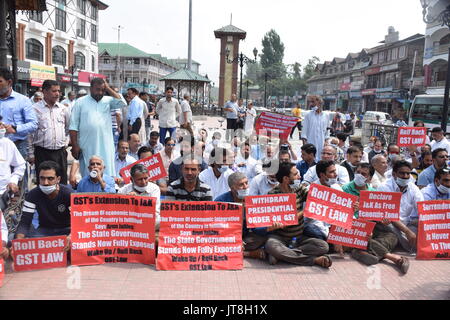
(168, 111)
(315, 126)
(70, 101)
(297, 112)
(16, 113)
(90, 126)
(186, 114)
(135, 111)
(232, 109)
(250, 115)
(49, 141)
(148, 112)
(37, 96)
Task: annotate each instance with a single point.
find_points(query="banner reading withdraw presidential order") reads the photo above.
(109, 228)
(433, 239)
(202, 235)
(263, 211)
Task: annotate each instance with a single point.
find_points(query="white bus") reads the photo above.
(428, 108)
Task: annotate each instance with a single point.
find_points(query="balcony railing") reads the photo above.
(443, 49)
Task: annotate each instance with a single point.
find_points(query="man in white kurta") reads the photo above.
(315, 126)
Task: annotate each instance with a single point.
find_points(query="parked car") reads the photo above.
(385, 118)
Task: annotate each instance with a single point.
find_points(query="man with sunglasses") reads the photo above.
(168, 154)
(427, 176)
(440, 188)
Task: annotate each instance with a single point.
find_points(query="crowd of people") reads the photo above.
(106, 133)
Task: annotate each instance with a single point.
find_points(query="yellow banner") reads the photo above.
(42, 72)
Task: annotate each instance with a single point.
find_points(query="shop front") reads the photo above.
(84, 79)
(38, 74)
(23, 76)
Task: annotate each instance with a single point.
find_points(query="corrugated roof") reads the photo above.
(125, 50)
(185, 75)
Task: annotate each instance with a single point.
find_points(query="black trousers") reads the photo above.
(59, 156)
(299, 127)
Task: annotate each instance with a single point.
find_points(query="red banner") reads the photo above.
(409, 137)
(154, 165)
(275, 123)
(39, 253)
(263, 211)
(433, 238)
(202, 235)
(356, 237)
(110, 228)
(331, 206)
(378, 205)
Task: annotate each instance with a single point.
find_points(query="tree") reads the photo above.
(253, 72)
(310, 69)
(272, 55)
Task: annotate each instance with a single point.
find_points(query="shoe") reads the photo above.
(403, 264)
(364, 257)
(272, 259)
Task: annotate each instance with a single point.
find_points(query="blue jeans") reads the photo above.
(313, 231)
(163, 132)
(49, 232)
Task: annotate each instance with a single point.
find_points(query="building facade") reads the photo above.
(183, 64)
(60, 43)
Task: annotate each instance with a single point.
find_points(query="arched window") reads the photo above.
(59, 55)
(34, 50)
(80, 61)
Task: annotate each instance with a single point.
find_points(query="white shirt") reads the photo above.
(410, 197)
(168, 160)
(444, 144)
(219, 185)
(315, 130)
(10, 157)
(251, 168)
(259, 186)
(343, 177)
(4, 229)
(68, 103)
(152, 191)
(249, 120)
(377, 180)
(168, 112)
(120, 164)
(185, 107)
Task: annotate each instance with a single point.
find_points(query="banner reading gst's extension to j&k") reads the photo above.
(409, 137)
(201, 235)
(433, 238)
(275, 123)
(379, 205)
(263, 211)
(328, 205)
(109, 228)
(154, 165)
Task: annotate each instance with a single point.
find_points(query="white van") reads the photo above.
(428, 108)
(385, 118)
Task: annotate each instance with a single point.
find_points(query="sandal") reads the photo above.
(257, 254)
(403, 264)
(326, 263)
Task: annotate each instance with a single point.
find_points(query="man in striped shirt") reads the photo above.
(189, 187)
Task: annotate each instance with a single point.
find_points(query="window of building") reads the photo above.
(59, 56)
(136, 61)
(81, 4)
(395, 54)
(34, 50)
(381, 57)
(80, 61)
(375, 58)
(94, 12)
(389, 55)
(35, 16)
(402, 52)
(107, 61)
(81, 28)
(93, 63)
(93, 33)
(60, 19)
(61, 2)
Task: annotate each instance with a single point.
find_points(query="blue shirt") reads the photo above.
(257, 152)
(430, 192)
(426, 176)
(16, 110)
(135, 110)
(233, 114)
(303, 167)
(86, 185)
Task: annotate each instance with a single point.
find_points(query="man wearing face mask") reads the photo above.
(377, 150)
(90, 126)
(216, 176)
(361, 182)
(305, 251)
(440, 188)
(263, 182)
(51, 200)
(97, 180)
(426, 177)
(406, 228)
(354, 156)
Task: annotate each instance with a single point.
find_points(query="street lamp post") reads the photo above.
(444, 18)
(241, 59)
(266, 76)
(72, 70)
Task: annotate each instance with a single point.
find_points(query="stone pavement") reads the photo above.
(347, 279)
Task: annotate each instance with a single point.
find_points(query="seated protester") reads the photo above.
(96, 180)
(245, 163)
(263, 182)
(257, 147)
(189, 187)
(215, 142)
(440, 157)
(406, 228)
(186, 148)
(154, 143)
(253, 239)
(377, 150)
(168, 154)
(426, 160)
(356, 142)
(440, 188)
(145, 152)
(122, 160)
(51, 200)
(371, 144)
(268, 156)
(12, 164)
(216, 176)
(4, 254)
(141, 186)
(439, 140)
(354, 156)
(342, 137)
(328, 154)
(306, 251)
(202, 135)
(363, 177)
(134, 143)
(380, 164)
(286, 146)
(393, 154)
(308, 159)
(340, 155)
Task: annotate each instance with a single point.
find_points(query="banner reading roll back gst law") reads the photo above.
(109, 228)
(275, 123)
(409, 137)
(154, 165)
(375, 205)
(433, 237)
(356, 237)
(263, 211)
(331, 206)
(202, 235)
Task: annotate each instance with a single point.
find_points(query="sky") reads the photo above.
(322, 28)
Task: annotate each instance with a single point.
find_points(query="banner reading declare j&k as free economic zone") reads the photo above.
(376, 206)
(356, 237)
(39, 253)
(263, 211)
(411, 137)
(331, 206)
(433, 238)
(274, 123)
(109, 228)
(154, 165)
(201, 235)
